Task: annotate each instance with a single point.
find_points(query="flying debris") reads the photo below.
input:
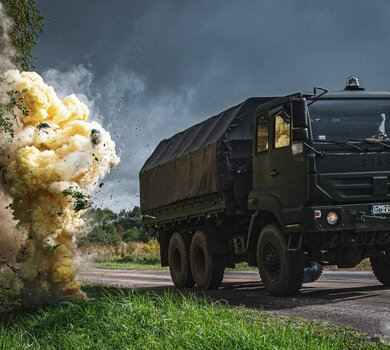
(96, 136)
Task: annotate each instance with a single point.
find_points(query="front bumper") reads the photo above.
(353, 217)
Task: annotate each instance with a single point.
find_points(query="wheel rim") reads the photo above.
(200, 260)
(177, 261)
(271, 261)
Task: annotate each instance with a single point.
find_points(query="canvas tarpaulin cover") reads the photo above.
(201, 159)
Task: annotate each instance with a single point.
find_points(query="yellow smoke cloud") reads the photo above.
(55, 165)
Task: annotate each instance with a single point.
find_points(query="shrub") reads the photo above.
(135, 234)
(103, 235)
(136, 252)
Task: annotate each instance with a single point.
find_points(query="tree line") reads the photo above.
(103, 226)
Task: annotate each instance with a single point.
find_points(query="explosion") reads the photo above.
(52, 164)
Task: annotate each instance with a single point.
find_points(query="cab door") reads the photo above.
(287, 165)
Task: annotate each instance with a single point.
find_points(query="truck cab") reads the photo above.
(325, 162)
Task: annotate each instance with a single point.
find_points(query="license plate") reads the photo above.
(380, 209)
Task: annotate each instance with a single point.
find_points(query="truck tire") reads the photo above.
(207, 269)
(381, 267)
(281, 270)
(179, 260)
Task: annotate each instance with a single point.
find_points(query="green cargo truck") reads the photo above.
(288, 184)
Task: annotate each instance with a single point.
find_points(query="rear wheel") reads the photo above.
(179, 260)
(281, 270)
(381, 267)
(207, 269)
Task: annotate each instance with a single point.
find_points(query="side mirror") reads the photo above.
(300, 113)
(300, 134)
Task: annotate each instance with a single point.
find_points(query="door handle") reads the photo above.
(274, 173)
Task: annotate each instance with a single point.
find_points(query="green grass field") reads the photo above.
(118, 319)
(129, 266)
(7, 301)
(363, 266)
(157, 266)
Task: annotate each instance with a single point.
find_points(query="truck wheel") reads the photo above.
(281, 270)
(207, 269)
(381, 267)
(179, 260)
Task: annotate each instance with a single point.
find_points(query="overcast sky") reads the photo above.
(148, 69)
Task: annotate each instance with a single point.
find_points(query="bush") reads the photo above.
(148, 254)
(103, 226)
(102, 235)
(133, 252)
(135, 234)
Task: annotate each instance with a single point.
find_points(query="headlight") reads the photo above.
(332, 218)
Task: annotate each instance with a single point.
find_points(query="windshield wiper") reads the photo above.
(344, 143)
(373, 141)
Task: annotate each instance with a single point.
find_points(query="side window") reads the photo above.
(282, 130)
(262, 135)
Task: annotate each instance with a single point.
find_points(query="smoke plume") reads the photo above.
(51, 159)
(54, 162)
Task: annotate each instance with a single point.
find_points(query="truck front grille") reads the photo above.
(345, 188)
(365, 238)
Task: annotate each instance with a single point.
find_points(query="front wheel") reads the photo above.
(281, 270)
(381, 267)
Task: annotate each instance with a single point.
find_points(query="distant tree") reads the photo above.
(28, 25)
(106, 227)
(102, 235)
(136, 234)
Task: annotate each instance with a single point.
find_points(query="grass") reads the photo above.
(129, 266)
(119, 319)
(117, 264)
(7, 299)
(365, 265)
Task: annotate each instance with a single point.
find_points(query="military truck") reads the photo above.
(288, 184)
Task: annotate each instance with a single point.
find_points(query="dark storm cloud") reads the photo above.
(159, 66)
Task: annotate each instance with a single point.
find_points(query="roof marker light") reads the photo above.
(353, 84)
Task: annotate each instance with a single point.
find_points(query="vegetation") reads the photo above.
(8, 299)
(136, 265)
(80, 200)
(104, 227)
(118, 319)
(28, 25)
(130, 265)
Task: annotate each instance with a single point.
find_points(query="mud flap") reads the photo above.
(217, 239)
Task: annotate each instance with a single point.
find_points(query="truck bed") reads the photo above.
(192, 172)
(194, 208)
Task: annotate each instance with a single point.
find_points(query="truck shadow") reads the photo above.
(253, 295)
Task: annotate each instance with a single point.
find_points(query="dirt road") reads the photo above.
(350, 298)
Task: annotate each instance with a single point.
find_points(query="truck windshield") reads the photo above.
(343, 120)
